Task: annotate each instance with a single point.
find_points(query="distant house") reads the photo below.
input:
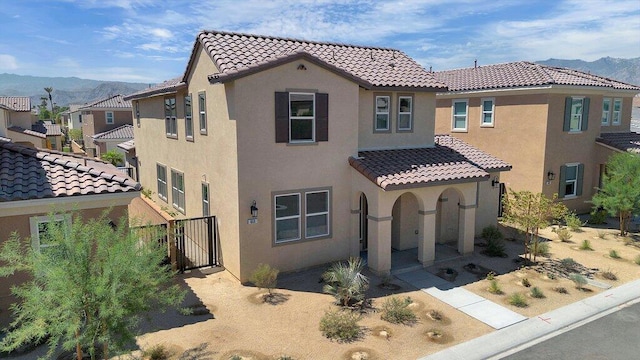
(21, 125)
(110, 139)
(130, 158)
(102, 116)
(545, 121)
(35, 182)
(72, 118)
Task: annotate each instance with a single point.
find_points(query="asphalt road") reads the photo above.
(613, 337)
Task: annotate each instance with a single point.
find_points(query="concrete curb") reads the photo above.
(528, 331)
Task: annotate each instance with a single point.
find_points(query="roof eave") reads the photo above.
(159, 92)
(471, 179)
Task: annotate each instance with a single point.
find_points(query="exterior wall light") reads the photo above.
(495, 182)
(254, 210)
(551, 175)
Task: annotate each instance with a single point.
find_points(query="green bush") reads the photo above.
(609, 275)
(579, 280)
(614, 254)
(491, 232)
(340, 325)
(602, 234)
(494, 287)
(564, 234)
(541, 250)
(495, 245)
(568, 263)
(537, 293)
(586, 245)
(597, 217)
(157, 352)
(518, 300)
(346, 282)
(573, 221)
(396, 311)
(637, 260)
(560, 290)
(526, 282)
(265, 277)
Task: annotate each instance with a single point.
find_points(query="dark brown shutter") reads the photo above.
(282, 117)
(563, 182)
(322, 117)
(567, 114)
(579, 177)
(585, 114)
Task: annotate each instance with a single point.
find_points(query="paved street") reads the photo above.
(612, 337)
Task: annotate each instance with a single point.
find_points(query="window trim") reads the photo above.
(575, 182)
(34, 221)
(106, 117)
(171, 119)
(580, 126)
(410, 113)
(615, 112)
(608, 115)
(188, 117)
(158, 182)
(375, 112)
(302, 215)
(276, 218)
(180, 192)
(492, 112)
(202, 112)
(206, 203)
(312, 118)
(137, 110)
(453, 115)
(307, 214)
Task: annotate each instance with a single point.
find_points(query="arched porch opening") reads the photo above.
(404, 232)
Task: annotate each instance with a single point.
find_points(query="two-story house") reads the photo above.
(543, 120)
(20, 124)
(310, 152)
(102, 116)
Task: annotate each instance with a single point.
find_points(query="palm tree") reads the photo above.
(49, 90)
(345, 281)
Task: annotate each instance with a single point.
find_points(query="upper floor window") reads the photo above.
(188, 120)
(138, 113)
(383, 113)
(460, 109)
(202, 109)
(576, 114)
(405, 113)
(109, 117)
(170, 115)
(161, 175)
(606, 111)
(177, 190)
(571, 180)
(617, 112)
(41, 229)
(488, 106)
(301, 117)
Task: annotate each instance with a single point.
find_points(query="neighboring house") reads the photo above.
(72, 118)
(36, 182)
(543, 120)
(332, 146)
(130, 158)
(109, 140)
(21, 125)
(101, 116)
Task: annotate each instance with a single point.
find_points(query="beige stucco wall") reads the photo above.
(23, 119)
(31, 140)
(95, 123)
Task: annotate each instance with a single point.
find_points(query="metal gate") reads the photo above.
(195, 243)
(503, 192)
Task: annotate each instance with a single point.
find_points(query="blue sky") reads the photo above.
(150, 41)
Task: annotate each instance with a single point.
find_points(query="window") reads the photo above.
(606, 111)
(202, 108)
(576, 114)
(138, 113)
(161, 172)
(487, 112)
(109, 117)
(170, 117)
(383, 110)
(302, 119)
(460, 115)
(617, 109)
(40, 226)
(308, 210)
(80, 118)
(188, 120)
(405, 113)
(571, 180)
(177, 190)
(205, 199)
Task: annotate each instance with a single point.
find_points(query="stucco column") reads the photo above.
(467, 228)
(379, 253)
(427, 237)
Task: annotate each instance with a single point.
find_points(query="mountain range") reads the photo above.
(73, 90)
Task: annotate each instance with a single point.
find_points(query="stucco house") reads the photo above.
(101, 116)
(109, 140)
(72, 118)
(310, 152)
(20, 124)
(35, 182)
(545, 121)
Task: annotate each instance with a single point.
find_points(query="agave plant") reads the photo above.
(345, 281)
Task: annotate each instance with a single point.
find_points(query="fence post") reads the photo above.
(171, 240)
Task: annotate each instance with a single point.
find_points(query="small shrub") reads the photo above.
(573, 221)
(537, 293)
(285, 357)
(541, 250)
(340, 325)
(560, 290)
(157, 352)
(265, 277)
(586, 245)
(494, 287)
(491, 232)
(568, 263)
(551, 276)
(518, 300)
(564, 234)
(602, 234)
(495, 248)
(396, 311)
(491, 275)
(526, 282)
(345, 282)
(435, 315)
(637, 260)
(614, 254)
(146, 193)
(579, 280)
(609, 275)
(597, 217)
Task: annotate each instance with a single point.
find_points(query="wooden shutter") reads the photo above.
(322, 117)
(585, 114)
(567, 114)
(579, 176)
(563, 181)
(282, 117)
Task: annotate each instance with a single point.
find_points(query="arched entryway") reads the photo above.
(404, 232)
(448, 216)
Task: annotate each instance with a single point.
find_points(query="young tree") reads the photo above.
(49, 90)
(620, 192)
(91, 286)
(529, 212)
(113, 156)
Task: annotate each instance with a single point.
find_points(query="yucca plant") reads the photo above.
(345, 281)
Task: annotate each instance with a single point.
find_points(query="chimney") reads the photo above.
(475, 63)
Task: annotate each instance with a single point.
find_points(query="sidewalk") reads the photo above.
(494, 344)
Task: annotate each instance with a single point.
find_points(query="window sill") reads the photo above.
(487, 126)
(459, 130)
(162, 198)
(303, 240)
(189, 138)
(570, 197)
(376, 131)
(575, 131)
(203, 132)
(404, 131)
(174, 137)
(302, 143)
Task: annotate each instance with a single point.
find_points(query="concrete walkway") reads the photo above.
(526, 333)
(476, 306)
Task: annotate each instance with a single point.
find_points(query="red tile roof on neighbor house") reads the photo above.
(113, 102)
(522, 74)
(237, 55)
(120, 133)
(47, 128)
(28, 173)
(628, 141)
(166, 87)
(16, 103)
(450, 161)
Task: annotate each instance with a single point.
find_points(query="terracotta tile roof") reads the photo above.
(119, 133)
(127, 145)
(28, 132)
(29, 173)
(236, 55)
(16, 103)
(628, 141)
(4, 139)
(113, 102)
(522, 74)
(47, 128)
(166, 87)
(449, 161)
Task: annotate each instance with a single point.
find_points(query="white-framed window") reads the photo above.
(302, 215)
(287, 217)
(488, 111)
(39, 226)
(108, 115)
(382, 113)
(405, 113)
(170, 113)
(302, 121)
(575, 123)
(606, 111)
(317, 214)
(188, 118)
(202, 109)
(617, 112)
(177, 190)
(206, 210)
(138, 113)
(571, 180)
(460, 108)
(161, 175)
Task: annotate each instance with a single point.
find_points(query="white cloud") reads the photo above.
(161, 33)
(8, 62)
